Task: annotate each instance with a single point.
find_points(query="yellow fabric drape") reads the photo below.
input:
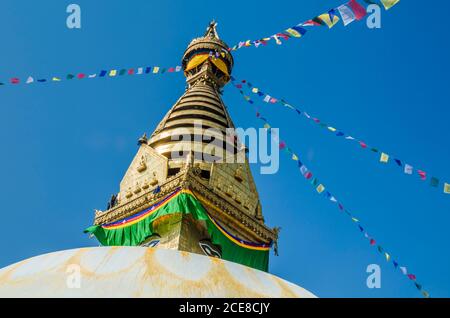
(221, 65)
(199, 59)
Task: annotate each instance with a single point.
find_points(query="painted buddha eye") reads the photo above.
(152, 243)
(209, 249)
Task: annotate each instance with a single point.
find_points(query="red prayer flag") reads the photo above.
(372, 242)
(81, 75)
(422, 174)
(358, 9)
(411, 276)
(15, 80)
(282, 145)
(308, 175)
(310, 23)
(170, 70)
(130, 71)
(363, 144)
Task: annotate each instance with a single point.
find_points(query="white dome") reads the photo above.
(138, 272)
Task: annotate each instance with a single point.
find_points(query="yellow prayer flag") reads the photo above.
(332, 129)
(388, 257)
(389, 3)
(155, 69)
(447, 188)
(112, 73)
(384, 157)
(56, 79)
(267, 126)
(355, 220)
(320, 188)
(294, 157)
(294, 33)
(326, 18)
(255, 90)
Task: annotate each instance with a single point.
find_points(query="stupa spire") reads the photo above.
(179, 192)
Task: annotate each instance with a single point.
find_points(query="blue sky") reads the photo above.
(66, 146)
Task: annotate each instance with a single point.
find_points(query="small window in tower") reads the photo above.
(173, 171)
(205, 174)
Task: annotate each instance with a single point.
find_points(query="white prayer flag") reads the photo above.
(347, 14)
(267, 98)
(408, 169)
(30, 80)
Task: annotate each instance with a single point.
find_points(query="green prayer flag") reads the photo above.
(434, 182)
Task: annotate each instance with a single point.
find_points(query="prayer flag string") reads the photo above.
(102, 73)
(349, 12)
(323, 190)
(382, 157)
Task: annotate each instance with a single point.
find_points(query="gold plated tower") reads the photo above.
(162, 164)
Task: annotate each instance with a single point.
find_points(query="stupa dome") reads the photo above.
(138, 272)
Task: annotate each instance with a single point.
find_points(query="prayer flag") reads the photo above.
(398, 162)
(447, 188)
(92, 75)
(320, 188)
(122, 72)
(363, 144)
(330, 19)
(422, 174)
(113, 73)
(308, 175)
(408, 169)
(155, 69)
(277, 40)
(70, 76)
(29, 80)
(15, 80)
(311, 23)
(389, 3)
(403, 270)
(267, 98)
(148, 69)
(434, 182)
(388, 257)
(384, 157)
(296, 31)
(412, 276)
(358, 9)
(140, 71)
(294, 157)
(81, 76)
(131, 71)
(56, 79)
(333, 199)
(103, 73)
(254, 90)
(303, 170)
(347, 14)
(177, 68)
(332, 129)
(372, 242)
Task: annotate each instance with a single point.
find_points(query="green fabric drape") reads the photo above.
(136, 233)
